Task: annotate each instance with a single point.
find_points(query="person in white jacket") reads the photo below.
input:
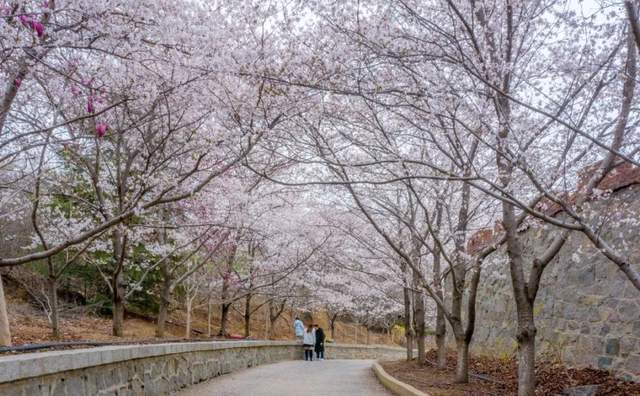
(309, 342)
(298, 328)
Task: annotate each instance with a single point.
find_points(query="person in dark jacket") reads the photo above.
(319, 342)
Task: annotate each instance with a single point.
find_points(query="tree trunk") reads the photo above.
(408, 322)
(247, 315)
(269, 322)
(224, 319)
(163, 309)
(224, 307)
(526, 363)
(5, 331)
(332, 324)
(52, 286)
(209, 315)
(526, 352)
(118, 305)
(441, 328)
(368, 339)
(187, 331)
(409, 337)
(118, 284)
(441, 339)
(462, 364)
(419, 318)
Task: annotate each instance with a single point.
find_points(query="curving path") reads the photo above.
(327, 377)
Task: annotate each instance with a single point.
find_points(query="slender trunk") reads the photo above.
(209, 315)
(332, 324)
(408, 315)
(118, 284)
(462, 363)
(419, 319)
(187, 332)
(441, 340)
(5, 331)
(409, 338)
(527, 361)
(368, 339)
(441, 328)
(165, 294)
(269, 327)
(457, 286)
(224, 319)
(163, 309)
(118, 305)
(52, 286)
(247, 315)
(333, 329)
(269, 322)
(224, 307)
(267, 319)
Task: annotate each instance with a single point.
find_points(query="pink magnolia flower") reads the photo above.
(17, 82)
(25, 20)
(38, 27)
(101, 129)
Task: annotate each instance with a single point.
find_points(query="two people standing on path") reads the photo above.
(313, 340)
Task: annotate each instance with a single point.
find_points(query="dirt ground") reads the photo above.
(30, 325)
(492, 376)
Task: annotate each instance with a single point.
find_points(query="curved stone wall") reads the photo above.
(153, 369)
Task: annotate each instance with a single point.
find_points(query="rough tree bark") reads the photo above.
(332, 324)
(224, 318)
(247, 314)
(118, 284)
(165, 301)
(52, 289)
(274, 311)
(408, 315)
(5, 331)
(419, 318)
(441, 328)
(209, 316)
(189, 309)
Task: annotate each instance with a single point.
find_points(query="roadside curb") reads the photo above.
(393, 385)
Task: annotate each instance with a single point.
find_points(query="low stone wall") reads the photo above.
(374, 352)
(152, 369)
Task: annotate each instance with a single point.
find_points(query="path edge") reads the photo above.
(395, 386)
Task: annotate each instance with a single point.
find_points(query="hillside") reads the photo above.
(78, 322)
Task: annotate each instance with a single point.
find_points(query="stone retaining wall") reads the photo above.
(152, 369)
(587, 312)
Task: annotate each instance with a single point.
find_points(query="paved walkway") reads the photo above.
(326, 378)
